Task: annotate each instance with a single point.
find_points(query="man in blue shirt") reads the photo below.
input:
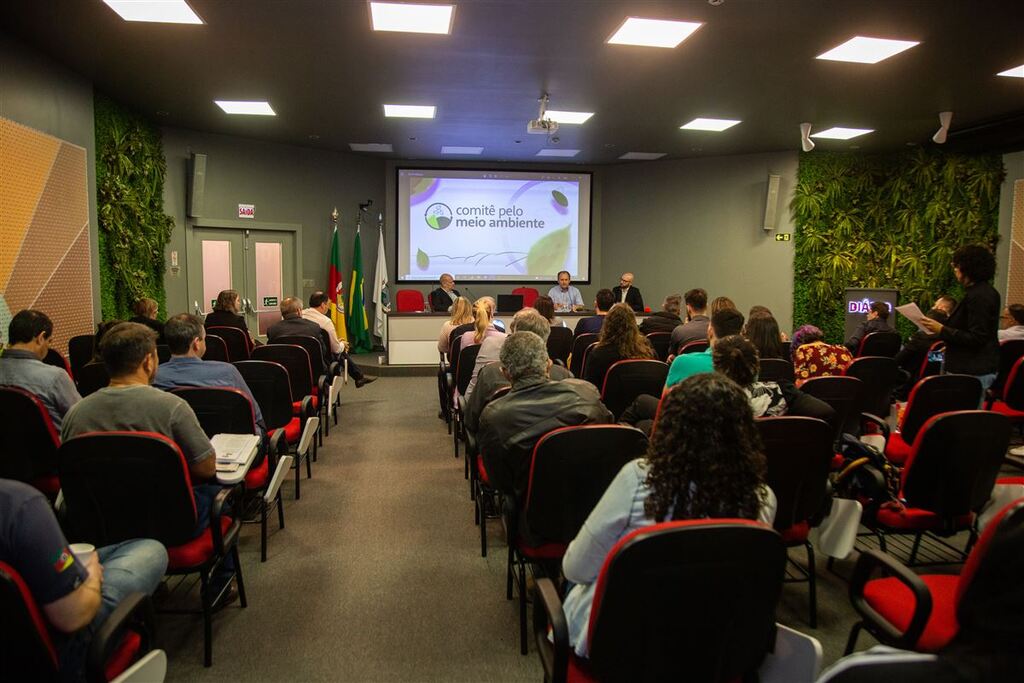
(565, 297)
(724, 323)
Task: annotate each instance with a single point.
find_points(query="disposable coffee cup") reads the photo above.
(85, 552)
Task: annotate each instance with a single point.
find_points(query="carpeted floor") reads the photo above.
(378, 574)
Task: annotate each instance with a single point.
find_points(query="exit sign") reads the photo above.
(269, 301)
(783, 237)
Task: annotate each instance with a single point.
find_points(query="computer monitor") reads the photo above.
(510, 303)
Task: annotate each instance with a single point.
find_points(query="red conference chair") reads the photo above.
(80, 350)
(296, 361)
(216, 349)
(580, 344)
(238, 342)
(28, 441)
(776, 370)
(463, 374)
(693, 599)
(1010, 351)
(928, 398)
(661, 342)
(560, 344)
(91, 377)
(123, 485)
(485, 497)
(409, 300)
(698, 346)
(54, 358)
(879, 344)
(1010, 400)
(627, 379)
(879, 376)
(29, 652)
(325, 372)
(913, 612)
(843, 395)
(529, 295)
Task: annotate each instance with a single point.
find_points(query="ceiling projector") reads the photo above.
(542, 127)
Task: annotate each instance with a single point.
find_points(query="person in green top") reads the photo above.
(723, 323)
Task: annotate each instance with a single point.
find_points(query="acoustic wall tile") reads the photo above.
(64, 299)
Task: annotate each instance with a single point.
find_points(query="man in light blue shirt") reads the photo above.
(22, 366)
(565, 297)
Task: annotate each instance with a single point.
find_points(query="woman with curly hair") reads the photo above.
(620, 339)
(812, 357)
(704, 461)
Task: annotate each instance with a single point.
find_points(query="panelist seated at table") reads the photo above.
(442, 298)
(565, 297)
(626, 293)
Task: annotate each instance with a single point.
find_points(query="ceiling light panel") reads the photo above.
(865, 50)
(558, 152)
(448, 149)
(569, 117)
(642, 156)
(246, 107)
(840, 133)
(1015, 72)
(157, 11)
(411, 18)
(409, 111)
(715, 125)
(653, 32)
(370, 146)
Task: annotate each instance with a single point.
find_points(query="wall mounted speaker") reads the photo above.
(196, 184)
(771, 204)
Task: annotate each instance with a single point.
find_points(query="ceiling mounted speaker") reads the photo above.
(805, 137)
(944, 120)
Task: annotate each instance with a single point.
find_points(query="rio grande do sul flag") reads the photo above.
(334, 289)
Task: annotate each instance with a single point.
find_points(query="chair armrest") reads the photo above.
(218, 510)
(553, 656)
(306, 408)
(322, 386)
(278, 444)
(871, 560)
(134, 612)
(878, 422)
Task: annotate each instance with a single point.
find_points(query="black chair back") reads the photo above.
(695, 596)
(268, 382)
(799, 454)
(1013, 390)
(661, 343)
(586, 353)
(579, 348)
(787, 349)
(931, 364)
(464, 370)
(956, 462)
(237, 341)
(1010, 351)
(220, 410)
(455, 334)
(314, 347)
(27, 646)
(560, 344)
(295, 360)
(91, 377)
(879, 376)
(124, 485)
(163, 352)
(776, 370)
(28, 439)
(53, 357)
(938, 394)
(571, 469)
(627, 379)
(216, 349)
(843, 394)
(698, 346)
(880, 344)
(80, 350)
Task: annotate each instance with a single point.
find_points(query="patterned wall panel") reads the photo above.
(1015, 280)
(45, 259)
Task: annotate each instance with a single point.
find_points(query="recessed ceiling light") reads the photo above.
(840, 133)
(250, 108)
(461, 150)
(157, 11)
(568, 116)
(370, 146)
(716, 125)
(642, 155)
(867, 50)
(558, 152)
(1015, 72)
(653, 32)
(409, 111)
(411, 18)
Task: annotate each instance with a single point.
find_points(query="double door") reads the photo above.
(258, 264)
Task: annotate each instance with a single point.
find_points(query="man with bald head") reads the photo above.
(626, 293)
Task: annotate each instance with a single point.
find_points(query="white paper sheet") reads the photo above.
(912, 313)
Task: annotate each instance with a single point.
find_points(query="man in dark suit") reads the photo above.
(442, 298)
(626, 293)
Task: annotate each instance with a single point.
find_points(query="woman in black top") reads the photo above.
(972, 342)
(620, 340)
(225, 312)
(145, 311)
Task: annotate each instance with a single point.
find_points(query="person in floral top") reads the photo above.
(812, 357)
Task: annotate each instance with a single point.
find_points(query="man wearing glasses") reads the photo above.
(626, 293)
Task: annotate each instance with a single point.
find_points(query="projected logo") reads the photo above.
(438, 216)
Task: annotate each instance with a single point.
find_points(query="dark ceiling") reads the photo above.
(326, 73)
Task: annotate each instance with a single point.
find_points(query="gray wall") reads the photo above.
(697, 223)
(40, 93)
(287, 184)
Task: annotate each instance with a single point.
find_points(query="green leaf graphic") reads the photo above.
(547, 255)
(559, 197)
(422, 260)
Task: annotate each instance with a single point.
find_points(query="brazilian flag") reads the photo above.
(358, 324)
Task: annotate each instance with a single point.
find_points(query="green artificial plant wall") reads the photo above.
(134, 230)
(890, 221)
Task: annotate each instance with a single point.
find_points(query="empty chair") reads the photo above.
(579, 347)
(879, 376)
(627, 379)
(80, 350)
(661, 342)
(529, 295)
(775, 370)
(1010, 401)
(238, 342)
(216, 349)
(28, 441)
(91, 377)
(843, 394)
(1010, 351)
(929, 397)
(409, 300)
(880, 344)
(560, 344)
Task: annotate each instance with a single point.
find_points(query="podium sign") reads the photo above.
(857, 302)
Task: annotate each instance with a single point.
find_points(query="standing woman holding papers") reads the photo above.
(972, 344)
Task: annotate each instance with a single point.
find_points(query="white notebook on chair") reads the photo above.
(234, 448)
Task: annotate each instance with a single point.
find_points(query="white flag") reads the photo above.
(381, 299)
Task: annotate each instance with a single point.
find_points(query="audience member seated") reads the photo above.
(877, 320)
(145, 311)
(812, 357)
(696, 326)
(721, 303)
(76, 594)
(483, 324)
(763, 332)
(1013, 322)
(319, 305)
(225, 312)
(704, 460)
(724, 323)
(565, 297)
(490, 349)
(620, 339)
(443, 298)
(489, 376)
(909, 357)
(736, 358)
(757, 309)
(462, 314)
(101, 329)
(665, 320)
(626, 293)
(22, 366)
(592, 324)
(130, 404)
(546, 307)
(512, 424)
